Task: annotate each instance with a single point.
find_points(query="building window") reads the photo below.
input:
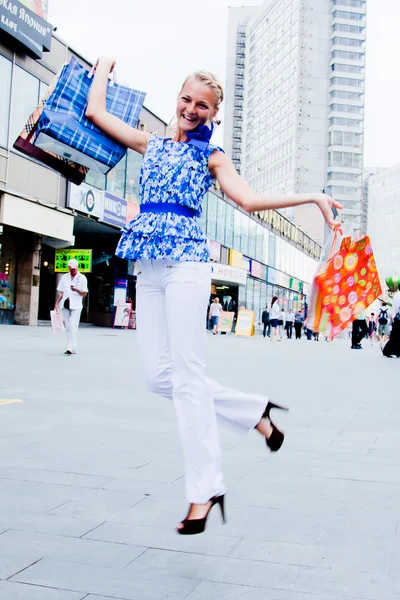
(344, 41)
(352, 16)
(352, 3)
(347, 68)
(5, 88)
(347, 95)
(348, 28)
(347, 108)
(347, 81)
(346, 138)
(25, 97)
(345, 159)
(345, 122)
(348, 55)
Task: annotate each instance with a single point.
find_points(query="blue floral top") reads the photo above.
(173, 172)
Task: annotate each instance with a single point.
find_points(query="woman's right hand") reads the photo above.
(106, 61)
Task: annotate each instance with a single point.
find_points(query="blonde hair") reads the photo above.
(211, 80)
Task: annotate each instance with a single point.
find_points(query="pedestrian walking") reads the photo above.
(392, 347)
(298, 324)
(215, 313)
(289, 324)
(172, 254)
(371, 327)
(274, 315)
(359, 331)
(383, 323)
(282, 323)
(71, 291)
(266, 322)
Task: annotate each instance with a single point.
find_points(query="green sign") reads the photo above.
(63, 255)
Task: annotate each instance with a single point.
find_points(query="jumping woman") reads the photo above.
(172, 263)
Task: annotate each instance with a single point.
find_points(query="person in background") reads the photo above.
(298, 324)
(383, 323)
(215, 312)
(71, 290)
(359, 331)
(274, 314)
(371, 327)
(282, 323)
(392, 348)
(266, 322)
(289, 324)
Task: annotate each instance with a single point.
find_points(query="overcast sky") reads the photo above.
(158, 42)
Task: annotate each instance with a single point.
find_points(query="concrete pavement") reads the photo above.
(91, 480)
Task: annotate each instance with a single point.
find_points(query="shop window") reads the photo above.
(7, 271)
(229, 224)
(245, 234)
(25, 96)
(5, 78)
(134, 163)
(212, 216)
(115, 183)
(221, 210)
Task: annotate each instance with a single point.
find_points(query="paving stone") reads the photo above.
(47, 523)
(168, 539)
(126, 584)
(218, 569)
(68, 548)
(12, 562)
(20, 591)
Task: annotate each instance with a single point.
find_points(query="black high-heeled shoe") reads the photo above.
(275, 440)
(195, 526)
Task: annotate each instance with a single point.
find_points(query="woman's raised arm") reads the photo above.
(237, 188)
(97, 113)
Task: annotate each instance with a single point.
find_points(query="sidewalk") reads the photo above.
(91, 483)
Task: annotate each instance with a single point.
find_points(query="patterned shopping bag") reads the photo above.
(348, 283)
(63, 128)
(24, 143)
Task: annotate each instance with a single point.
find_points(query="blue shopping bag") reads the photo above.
(64, 130)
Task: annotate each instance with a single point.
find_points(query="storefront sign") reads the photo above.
(215, 250)
(255, 269)
(228, 274)
(278, 278)
(246, 262)
(295, 285)
(245, 323)
(63, 255)
(235, 258)
(263, 272)
(287, 229)
(226, 322)
(25, 26)
(115, 210)
(86, 199)
(122, 314)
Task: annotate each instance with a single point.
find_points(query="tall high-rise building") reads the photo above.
(295, 101)
(384, 220)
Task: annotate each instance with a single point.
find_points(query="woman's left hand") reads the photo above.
(325, 204)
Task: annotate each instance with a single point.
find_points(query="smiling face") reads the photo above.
(196, 105)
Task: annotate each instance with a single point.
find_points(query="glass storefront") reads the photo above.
(8, 264)
(282, 268)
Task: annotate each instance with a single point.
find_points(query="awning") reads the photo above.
(227, 274)
(33, 216)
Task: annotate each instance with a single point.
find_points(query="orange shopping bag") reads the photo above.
(348, 283)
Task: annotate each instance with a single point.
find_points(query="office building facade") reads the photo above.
(295, 111)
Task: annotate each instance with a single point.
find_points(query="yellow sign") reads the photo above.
(16, 401)
(63, 255)
(235, 259)
(225, 322)
(245, 323)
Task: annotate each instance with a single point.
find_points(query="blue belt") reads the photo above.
(168, 207)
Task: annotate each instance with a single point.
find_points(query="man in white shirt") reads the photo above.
(289, 324)
(215, 311)
(71, 290)
(396, 303)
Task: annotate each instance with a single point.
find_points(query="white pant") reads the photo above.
(172, 299)
(71, 322)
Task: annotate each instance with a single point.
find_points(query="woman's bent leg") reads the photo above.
(187, 289)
